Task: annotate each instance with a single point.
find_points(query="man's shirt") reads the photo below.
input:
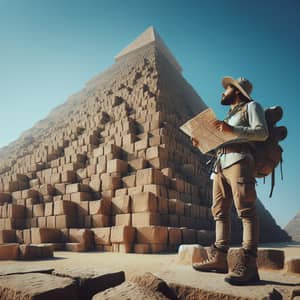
(249, 124)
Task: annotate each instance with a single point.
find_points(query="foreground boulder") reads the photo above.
(91, 281)
(34, 286)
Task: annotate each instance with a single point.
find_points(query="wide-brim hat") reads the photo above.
(242, 84)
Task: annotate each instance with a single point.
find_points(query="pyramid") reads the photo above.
(110, 168)
(293, 228)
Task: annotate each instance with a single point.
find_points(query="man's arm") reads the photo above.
(258, 128)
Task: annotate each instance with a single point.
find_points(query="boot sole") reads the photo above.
(223, 271)
(252, 281)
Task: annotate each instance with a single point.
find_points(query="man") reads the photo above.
(234, 181)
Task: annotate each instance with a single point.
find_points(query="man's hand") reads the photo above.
(195, 142)
(223, 126)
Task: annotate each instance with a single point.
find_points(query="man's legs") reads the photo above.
(242, 182)
(222, 201)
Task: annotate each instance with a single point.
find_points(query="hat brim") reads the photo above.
(226, 81)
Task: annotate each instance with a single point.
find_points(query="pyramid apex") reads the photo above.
(150, 36)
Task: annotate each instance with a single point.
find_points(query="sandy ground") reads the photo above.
(130, 263)
(165, 266)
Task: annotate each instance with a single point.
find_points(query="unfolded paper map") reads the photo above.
(202, 128)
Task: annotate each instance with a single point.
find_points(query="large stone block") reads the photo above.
(102, 236)
(117, 165)
(64, 207)
(91, 281)
(9, 251)
(65, 221)
(100, 220)
(45, 235)
(189, 254)
(102, 206)
(121, 205)
(152, 234)
(33, 286)
(82, 236)
(123, 234)
(146, 218)
(8, 236)
(149, 176)
(144, 202)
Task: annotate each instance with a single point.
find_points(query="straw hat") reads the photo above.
(242, 84)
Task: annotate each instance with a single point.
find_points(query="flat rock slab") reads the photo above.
(21, 269)
(188, 283)
(36, 286)
(129, 291)
(91, 281)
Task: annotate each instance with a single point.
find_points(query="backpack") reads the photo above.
(268, 154)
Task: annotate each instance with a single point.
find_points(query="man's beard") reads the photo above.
(228, 99)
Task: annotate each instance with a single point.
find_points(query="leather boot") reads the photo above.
(216, 261)
(245, 270)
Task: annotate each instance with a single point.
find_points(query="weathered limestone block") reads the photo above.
(189, 254)
(123, 219)
(64, 207)
(77, 187)
(270, 259)
(30, 252)
(102, 206)
(100, 220)
(189, 236)
(110, 182)
(45, 235)
(137, 164)
(65, 221)
(5, 197)
(293, 265)
(102, 236)
(9, 251)
(146, 219)
(8, 236)
(152, 234)
(37, 286)
(82, 236)
(129, 181)
(155, 284)
(144, 202)
(129, 290)
(117, 165)
(38, 210)
(47, 189)
(123, 234)
(174, 237)
(81, 196)
(91, 281)
(121, 205)
(149, 176)
(15, 211)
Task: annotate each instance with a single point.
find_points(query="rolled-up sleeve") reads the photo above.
(258, 128)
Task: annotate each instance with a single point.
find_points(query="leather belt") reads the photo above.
(235, 148)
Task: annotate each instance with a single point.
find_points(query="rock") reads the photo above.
(9, 251)
(155, 284)
(33, 286)
(293, 265)
(92, 281)
(266, 258)
(189, 254)
(270, 259)
(28, 252)
(129, 291)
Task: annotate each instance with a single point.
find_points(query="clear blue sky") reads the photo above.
(49, 49)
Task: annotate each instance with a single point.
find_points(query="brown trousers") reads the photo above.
(236, 184)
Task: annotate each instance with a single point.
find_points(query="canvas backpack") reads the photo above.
(268, 154)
